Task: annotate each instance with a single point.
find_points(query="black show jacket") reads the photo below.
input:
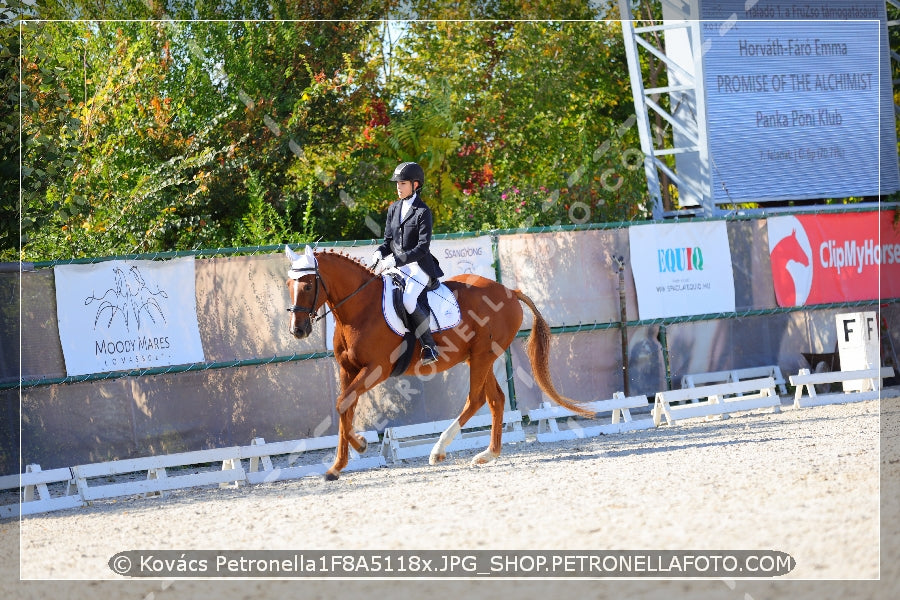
(409, 238)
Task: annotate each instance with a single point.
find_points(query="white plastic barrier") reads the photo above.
(413, 441)
(805, 379)
(34, 480)
(621, 420)
(92, 483)
(773, 371)
(262, 470)
(163, 473)
(720, 399)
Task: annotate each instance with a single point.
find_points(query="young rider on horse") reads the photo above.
(407, 246)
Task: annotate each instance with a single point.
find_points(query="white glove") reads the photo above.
(373, 260)
(388, 262)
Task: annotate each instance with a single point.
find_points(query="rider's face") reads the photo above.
(404, 189)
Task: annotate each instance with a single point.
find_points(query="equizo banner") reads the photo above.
(681, 269)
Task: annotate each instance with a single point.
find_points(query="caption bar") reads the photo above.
(452, 563)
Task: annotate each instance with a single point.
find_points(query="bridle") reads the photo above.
(311, 310)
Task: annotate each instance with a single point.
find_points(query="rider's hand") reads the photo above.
(373, 260)
(388, 262)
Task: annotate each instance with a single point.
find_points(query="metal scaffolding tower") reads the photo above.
(691, 191)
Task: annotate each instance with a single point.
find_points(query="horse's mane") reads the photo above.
(351, 261)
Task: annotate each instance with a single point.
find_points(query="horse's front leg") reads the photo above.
(352, 387)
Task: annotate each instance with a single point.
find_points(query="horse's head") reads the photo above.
(789, 249)
(303, 285)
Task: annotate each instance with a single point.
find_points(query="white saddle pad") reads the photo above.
(444, 308)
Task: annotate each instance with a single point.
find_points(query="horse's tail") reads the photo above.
(539, 356)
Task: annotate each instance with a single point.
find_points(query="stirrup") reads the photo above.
(429, 355)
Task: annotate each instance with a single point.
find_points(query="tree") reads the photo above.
(540, 108)
(141, 136)
(173, 133)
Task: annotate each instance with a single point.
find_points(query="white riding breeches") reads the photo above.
(416, 280)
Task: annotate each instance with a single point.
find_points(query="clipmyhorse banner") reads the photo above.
(819, 259)
(122, 315)
(681, 269)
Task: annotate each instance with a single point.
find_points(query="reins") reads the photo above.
(333, 308)
(311, 310)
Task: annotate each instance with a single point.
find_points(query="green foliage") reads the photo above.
(539, 105)
(262, 225)
(170, 134)
(9, 141)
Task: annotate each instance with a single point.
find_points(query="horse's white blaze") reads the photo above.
(440, 447)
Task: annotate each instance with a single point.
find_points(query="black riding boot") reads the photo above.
(422, 331)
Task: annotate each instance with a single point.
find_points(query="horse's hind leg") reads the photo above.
(474, 401)
(496, 401)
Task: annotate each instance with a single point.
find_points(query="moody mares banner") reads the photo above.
(818, 259)
(681, 269)
(122, 315)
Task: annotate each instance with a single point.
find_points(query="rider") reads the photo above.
(407, 245)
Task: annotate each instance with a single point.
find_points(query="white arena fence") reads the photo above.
(258, 382)
(81, 485)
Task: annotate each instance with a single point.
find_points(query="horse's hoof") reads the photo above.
(436, 458)
(329, 476)
(484, 457)
(363, 446)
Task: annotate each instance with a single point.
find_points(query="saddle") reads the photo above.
(435, 300)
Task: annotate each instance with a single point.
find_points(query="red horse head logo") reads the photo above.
(791, 283)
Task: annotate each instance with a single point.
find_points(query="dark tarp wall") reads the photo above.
(41, 350)
(569, 275)
(160, 414)
(9, 326)
(723, 344)
(9, 370)
(585, 366)
(749, 247)
(241, 304)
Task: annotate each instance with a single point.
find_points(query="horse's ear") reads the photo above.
(309, 253)
(292, 256)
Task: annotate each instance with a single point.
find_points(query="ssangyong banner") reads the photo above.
(819, 259)
(456, 256)
(681, 269)
(122, 315)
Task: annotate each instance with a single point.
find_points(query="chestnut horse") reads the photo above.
(364, 343)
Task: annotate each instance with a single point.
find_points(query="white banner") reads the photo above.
(462, 256)
(681, 269)
(456, 257)
(121, 315)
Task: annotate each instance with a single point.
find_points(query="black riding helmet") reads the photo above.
(409, 171)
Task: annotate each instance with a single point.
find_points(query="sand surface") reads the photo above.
(820, 484)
